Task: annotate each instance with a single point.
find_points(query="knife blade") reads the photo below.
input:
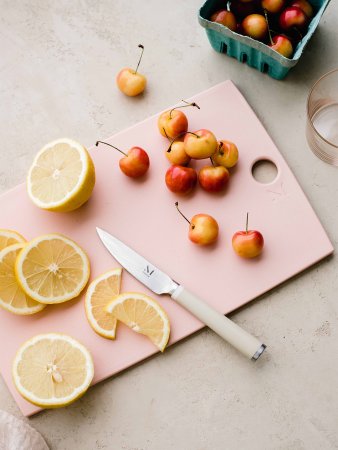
(161, 283)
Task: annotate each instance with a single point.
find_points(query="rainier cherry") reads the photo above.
(255, 26)
(280, 43)
(180, 179)
(135, 162)
(176, 154)
(200, 145)
(226, 18)
(248, 243)
(213, 178)
(174, 122)
(304, 5)
(293, 18)
(203, 229)
(226, 154)
(273, 6)
(129, 81)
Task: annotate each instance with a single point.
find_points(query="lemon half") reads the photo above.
(62, 176)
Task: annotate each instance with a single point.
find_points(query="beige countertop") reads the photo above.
(57, 67)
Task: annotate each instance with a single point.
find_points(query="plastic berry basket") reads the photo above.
(252, 52)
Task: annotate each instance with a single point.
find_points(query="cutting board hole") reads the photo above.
(264, 171)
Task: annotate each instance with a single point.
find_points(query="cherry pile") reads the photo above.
(189, 145)
(280, 24)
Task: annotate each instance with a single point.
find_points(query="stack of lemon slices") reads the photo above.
(49, 370)
(49, 269)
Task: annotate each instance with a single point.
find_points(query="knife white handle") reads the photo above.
(224, 327)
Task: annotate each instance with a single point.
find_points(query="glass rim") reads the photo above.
(307, 106)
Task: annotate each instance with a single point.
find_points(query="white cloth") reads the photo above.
(16, 434)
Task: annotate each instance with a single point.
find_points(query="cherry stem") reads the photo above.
(267, 22)
(247, 223)
(212, 162)
(220, 148)
(165, 133)
(179, 136)
(178, 209)
(140, 46)
(228, 5)
(184, 106)
(106, 143)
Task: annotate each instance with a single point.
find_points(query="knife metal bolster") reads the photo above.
(173, 288)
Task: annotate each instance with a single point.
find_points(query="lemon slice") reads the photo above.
(9, 237)
(12, 297)
(52, 370)
(52, 269)
(143, 315)
(62, 176)
(100, 292)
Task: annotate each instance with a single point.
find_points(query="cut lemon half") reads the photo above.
(100, 292)
(52, 370)
(62, 176)
(52, 269)
(143, 315)
(12, 297)
(9, 237)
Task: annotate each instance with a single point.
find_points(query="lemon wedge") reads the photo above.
(12, 297)
(52, 269)
(52, 370)
(143, 315)
(100, 292)
(62, 176)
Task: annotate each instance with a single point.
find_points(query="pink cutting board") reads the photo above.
(143, 215)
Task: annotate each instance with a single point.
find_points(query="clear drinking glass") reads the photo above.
(322, 118)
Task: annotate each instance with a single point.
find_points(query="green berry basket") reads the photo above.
(256, 54)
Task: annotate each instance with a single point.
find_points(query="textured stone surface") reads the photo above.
(57, 67)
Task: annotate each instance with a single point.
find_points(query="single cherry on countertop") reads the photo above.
(203, 229)
(130, 81)
(135, 162)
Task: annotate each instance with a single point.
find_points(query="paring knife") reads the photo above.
(160, 283)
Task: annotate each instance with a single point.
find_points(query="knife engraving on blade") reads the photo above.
(160, 283)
